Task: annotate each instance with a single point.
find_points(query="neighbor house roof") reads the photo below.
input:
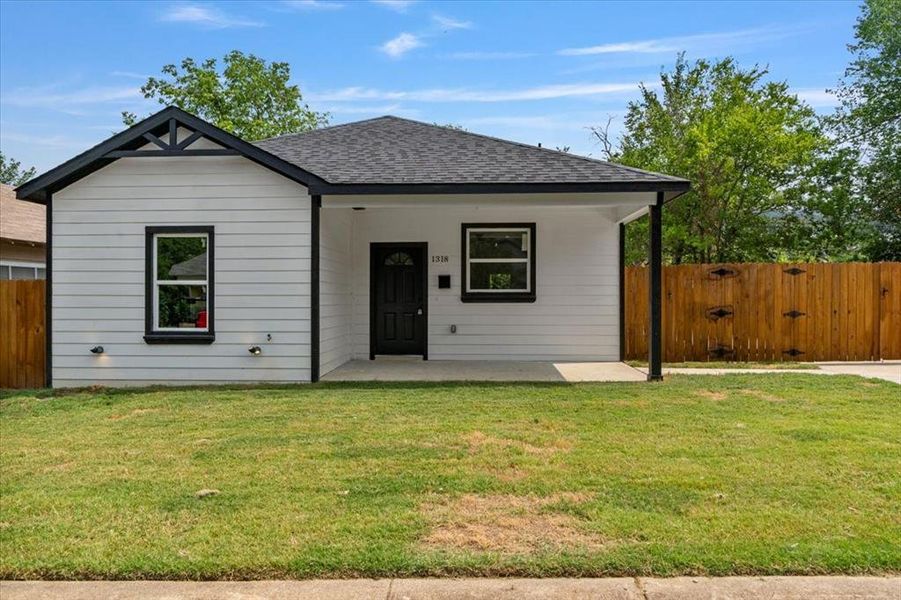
(20, 221)
(395, 151)
(387, 155)
(193, 268)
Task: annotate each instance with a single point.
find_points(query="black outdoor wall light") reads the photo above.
(255, 350)
(97, 350)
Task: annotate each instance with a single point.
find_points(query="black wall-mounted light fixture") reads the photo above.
(97, 350)
(255, 350)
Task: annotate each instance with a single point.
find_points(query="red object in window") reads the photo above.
(201, 320)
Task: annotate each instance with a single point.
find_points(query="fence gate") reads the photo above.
(21, 334)
(889, 291)
(770, 312)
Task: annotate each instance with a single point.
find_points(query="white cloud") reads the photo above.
(537, 122)
(50, 141)
(313, 4)
(398, 5)
(375, 110)
(365, 109)
(817, 98)
(450, 22)
(487, 55)
(401, 44)
(206, 16)
(546, 92)
(50, 97)
(704, 42)
(129, 75)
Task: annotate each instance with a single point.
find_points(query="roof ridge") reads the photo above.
(527, 146)
(326, 128)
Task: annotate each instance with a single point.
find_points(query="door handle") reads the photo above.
(419, 311)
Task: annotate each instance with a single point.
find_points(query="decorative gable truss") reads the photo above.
(165, 142)
(170, 132)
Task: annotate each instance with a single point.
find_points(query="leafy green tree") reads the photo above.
(11, 172)
(249, 98)
(826, 217)
(869, 119)
(742, 142)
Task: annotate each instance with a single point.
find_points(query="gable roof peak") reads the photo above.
(155, 129)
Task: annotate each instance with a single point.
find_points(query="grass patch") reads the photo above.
(721, 364)
(739, 474)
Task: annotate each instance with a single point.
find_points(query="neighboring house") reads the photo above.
(22, 233)
(191, 255)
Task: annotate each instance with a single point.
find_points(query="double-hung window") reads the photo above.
(498, 262)
(179, 285)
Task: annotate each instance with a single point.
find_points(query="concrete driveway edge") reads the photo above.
(617, 588)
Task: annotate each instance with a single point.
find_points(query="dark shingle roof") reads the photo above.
(391, 150)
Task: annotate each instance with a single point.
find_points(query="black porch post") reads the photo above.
(655, 272)
(622, 291)
(48, 294)
(315, 206)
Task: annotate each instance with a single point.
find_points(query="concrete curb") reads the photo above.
(620, 588)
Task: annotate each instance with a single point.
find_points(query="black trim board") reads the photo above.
(315, 206)
(152, 336)
(673, 188)
(424, 273)
(39, 188)
(500, 297)
(48, 295)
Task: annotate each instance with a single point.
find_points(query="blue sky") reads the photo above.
(529, 71)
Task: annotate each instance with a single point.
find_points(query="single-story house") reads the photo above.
(179, 253)
(22, 231)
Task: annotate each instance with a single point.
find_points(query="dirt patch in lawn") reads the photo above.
(135, 413)
(507, 524)
(478, 441)
(711, 395)
(762, 395)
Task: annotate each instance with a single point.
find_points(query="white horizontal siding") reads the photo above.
(262, 270)
(335, 288)
(575, 316)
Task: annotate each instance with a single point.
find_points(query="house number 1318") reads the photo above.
(439, 258)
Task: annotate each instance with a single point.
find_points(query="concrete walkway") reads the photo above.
(887, 370)
(623, 588)
(406, 368)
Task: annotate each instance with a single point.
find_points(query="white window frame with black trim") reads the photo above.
(154, 333)
(526, 294)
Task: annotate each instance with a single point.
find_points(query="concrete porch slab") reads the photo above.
(415, 369)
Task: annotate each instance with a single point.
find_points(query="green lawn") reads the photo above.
(777, 473)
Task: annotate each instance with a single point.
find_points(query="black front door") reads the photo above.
(398, 300)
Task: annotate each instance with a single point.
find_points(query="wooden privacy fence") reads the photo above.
(771, 312)
(21, 334)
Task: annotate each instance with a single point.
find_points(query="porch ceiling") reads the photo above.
(620, 207)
